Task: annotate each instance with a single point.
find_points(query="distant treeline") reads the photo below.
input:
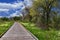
(11, 18)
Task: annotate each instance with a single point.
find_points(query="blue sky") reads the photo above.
(7, 1)
(11, 8)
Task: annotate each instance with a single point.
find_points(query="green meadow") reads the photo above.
(4, 26)
(42, 34)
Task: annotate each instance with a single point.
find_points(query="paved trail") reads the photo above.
(17, 32)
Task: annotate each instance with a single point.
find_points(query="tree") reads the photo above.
(42, 10)
(26, 14)
(16, 18)
(4, 19)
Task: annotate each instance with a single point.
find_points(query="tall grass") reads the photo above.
(42, 34)
(4, 26)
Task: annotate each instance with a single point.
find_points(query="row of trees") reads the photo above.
(10, 19)
(43, 15)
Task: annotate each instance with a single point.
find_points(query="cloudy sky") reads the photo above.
(10, 8)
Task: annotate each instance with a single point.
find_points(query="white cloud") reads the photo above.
(1, 16)
(28, 3)
(4, 10)
(11, 6)
(14, 14)
(5, 7)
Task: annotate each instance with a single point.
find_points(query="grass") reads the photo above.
(4, 26)
(42, 34)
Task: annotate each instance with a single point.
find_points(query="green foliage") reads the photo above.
(42, 34)
(16, 18)
(4, 26)
(4, 19)
(42, 13)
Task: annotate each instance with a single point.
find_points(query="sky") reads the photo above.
(11, 8)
